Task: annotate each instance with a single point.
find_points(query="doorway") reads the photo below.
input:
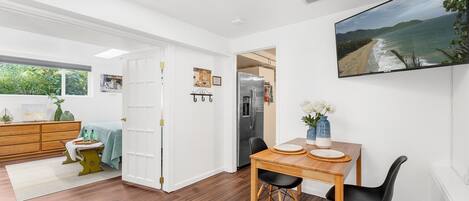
(256, 109)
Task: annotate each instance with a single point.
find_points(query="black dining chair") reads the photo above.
(280, 181)
(381, 193)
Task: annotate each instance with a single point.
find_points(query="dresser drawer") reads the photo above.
(19, 149)
(60, 135)
(54, 145)
(19, 130)
(19, 139)
(59, 127)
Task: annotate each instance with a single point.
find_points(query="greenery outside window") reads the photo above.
(27, 79)
(76, 83)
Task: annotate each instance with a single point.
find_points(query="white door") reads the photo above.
(141, 140)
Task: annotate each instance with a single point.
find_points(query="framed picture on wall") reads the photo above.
(216, 80)
(202, 78)
(111, 83)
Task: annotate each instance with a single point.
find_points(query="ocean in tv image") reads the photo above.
(403, 34)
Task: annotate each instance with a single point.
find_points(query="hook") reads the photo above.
(203, 98)
(210, 99)
(195, 99)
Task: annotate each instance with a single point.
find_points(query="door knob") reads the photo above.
(124, 119)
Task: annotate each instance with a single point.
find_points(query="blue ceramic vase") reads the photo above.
(311, 136)
(323, 133)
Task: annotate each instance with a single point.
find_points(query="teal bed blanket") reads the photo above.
(110, 134)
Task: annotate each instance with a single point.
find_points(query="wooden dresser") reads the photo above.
(35, 139)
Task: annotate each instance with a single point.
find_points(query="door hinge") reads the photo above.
(162, 122)
(161, 180)
(162, 65)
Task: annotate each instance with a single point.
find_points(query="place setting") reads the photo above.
(288, 149)
(325, 155)
(329, 155)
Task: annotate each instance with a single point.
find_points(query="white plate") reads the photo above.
(288, 147)
(327, 153)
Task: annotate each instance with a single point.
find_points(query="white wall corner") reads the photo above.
(169, 77)
(229, 141)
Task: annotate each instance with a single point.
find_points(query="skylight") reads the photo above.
(111, 53)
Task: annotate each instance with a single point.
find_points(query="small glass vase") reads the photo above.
(323, 133)
(311, 136)
(58, 113)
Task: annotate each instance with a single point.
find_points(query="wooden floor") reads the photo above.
(221, 187)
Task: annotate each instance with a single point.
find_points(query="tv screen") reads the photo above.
(403, 35)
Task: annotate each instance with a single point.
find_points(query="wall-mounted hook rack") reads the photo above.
(194, 96)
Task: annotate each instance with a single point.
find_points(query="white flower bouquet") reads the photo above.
(314, 111)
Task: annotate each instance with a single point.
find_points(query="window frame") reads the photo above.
(56, 65)
(64, 84)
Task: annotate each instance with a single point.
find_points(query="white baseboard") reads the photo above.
(230, 169)
(312, 191)
(195, 179)
(317, 190)
(450, 184)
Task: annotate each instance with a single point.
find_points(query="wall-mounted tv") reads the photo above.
(403, 35)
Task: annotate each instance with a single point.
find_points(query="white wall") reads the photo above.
(460, 140)
(394, 114)
(97, 107)
(195, 129)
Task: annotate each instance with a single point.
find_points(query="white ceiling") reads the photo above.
(258, 15)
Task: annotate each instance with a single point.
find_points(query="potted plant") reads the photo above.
(6, 117)
(315, 118)
(57, 101)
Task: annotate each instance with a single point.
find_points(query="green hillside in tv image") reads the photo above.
(402, 35)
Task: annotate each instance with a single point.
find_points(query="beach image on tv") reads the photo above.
(402, 35)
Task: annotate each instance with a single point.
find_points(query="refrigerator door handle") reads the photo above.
(253, 111)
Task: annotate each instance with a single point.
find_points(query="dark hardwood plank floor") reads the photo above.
(221, 187)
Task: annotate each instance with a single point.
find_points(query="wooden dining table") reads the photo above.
(307, 167)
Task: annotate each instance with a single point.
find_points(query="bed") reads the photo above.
(110, 134)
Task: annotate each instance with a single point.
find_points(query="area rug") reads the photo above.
(42, 177)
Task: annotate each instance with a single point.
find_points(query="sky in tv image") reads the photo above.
(403, 34)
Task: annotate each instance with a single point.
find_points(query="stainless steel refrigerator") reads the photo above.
(250, 113)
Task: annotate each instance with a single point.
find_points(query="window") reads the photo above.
(29, 80)
(76, 82)
(21, 76)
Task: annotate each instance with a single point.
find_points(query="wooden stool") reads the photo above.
(90, 160)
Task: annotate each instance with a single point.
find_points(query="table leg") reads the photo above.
(298, 190)
(253, 180)
(69, 159)
(270, 192)
(358, 175)
(339, 188)
(91, 161)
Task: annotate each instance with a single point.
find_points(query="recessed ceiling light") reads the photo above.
(111, 53)
(237, 21)
(310, 1)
